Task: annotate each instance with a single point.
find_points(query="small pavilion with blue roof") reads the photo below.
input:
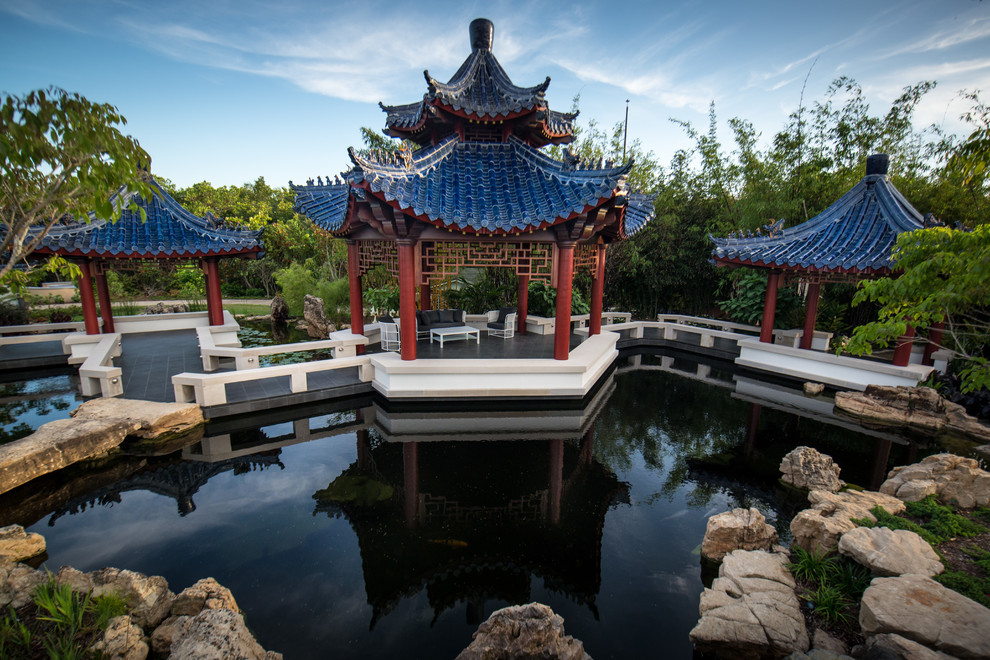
(170, 233)
(477, 192)
(852, 239)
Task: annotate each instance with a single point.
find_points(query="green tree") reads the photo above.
(60, 156)
(944, 277)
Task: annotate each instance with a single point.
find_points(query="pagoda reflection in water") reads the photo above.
(471, 522)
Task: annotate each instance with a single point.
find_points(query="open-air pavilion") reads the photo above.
(168, 233)
(477, 192)
(852, 239)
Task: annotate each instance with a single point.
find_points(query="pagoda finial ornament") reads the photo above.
(482, 33)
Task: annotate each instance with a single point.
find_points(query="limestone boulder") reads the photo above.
(18, 545)
(818, 654)
(77, 580)
(147, 419)
(166, 308)
(523, 631)
(813, 389)
(918, 409)
(122, 640)
(819, 528)
(807, 468)
(920, 609)
(280, 310)
(887, 645)
(739, 529)
(317, 325)
(56, 445)
(148, 598)
(216, 635)
(751, 610)
(889, 552)
(206, 594)
(822, 641)
(17, 583)
(950, 477)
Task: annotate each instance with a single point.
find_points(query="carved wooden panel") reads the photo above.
(445, 259)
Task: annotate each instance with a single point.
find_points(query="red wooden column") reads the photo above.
(556, 478)
(597, 288)
(522, 304)
(103, 292)
(357, 297)
(587, 451)
(810, 314)
(753, 428)
(87, 300)
(214, 300)
(878, 470)
(410, 482)
(425, 297)
(407, 297)
(934, 342)
(769, 308)
(902, 353)
(562, 323)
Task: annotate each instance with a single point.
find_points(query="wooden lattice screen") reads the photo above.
(445, 259)
(440, 260)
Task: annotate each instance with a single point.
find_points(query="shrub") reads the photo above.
(336, 297)
(811, 566)
(295, 282)
(543, 300)
(749, 295)
(830, 603)
(890, 521)
(59, 316)
(13, 312)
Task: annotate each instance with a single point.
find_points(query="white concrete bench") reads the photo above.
(210, 389)
(31, 333)
(727, 326)
(343, 344)
(97, 375)
(673, 331)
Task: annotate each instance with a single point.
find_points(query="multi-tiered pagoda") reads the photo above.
(477, 192)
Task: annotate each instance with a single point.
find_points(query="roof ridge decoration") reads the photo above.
(855, 234)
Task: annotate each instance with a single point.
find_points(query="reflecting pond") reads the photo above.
(27, 403)
(358, 530)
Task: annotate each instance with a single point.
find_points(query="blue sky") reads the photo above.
(226, 91)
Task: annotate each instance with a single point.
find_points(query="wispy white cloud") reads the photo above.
(947, 35)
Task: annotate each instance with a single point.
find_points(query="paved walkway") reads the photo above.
(148, 361)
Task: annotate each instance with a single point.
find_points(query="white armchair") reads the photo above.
(389, 336)
(502, 323)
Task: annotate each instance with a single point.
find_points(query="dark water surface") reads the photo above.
(353, 531)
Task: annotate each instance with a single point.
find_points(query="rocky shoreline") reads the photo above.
(202, 621)
(752, 609)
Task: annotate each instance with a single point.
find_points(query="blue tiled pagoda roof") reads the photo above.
(505, 187)
(170, 231)
(856, 234)
(482, 88)
(479, 91)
